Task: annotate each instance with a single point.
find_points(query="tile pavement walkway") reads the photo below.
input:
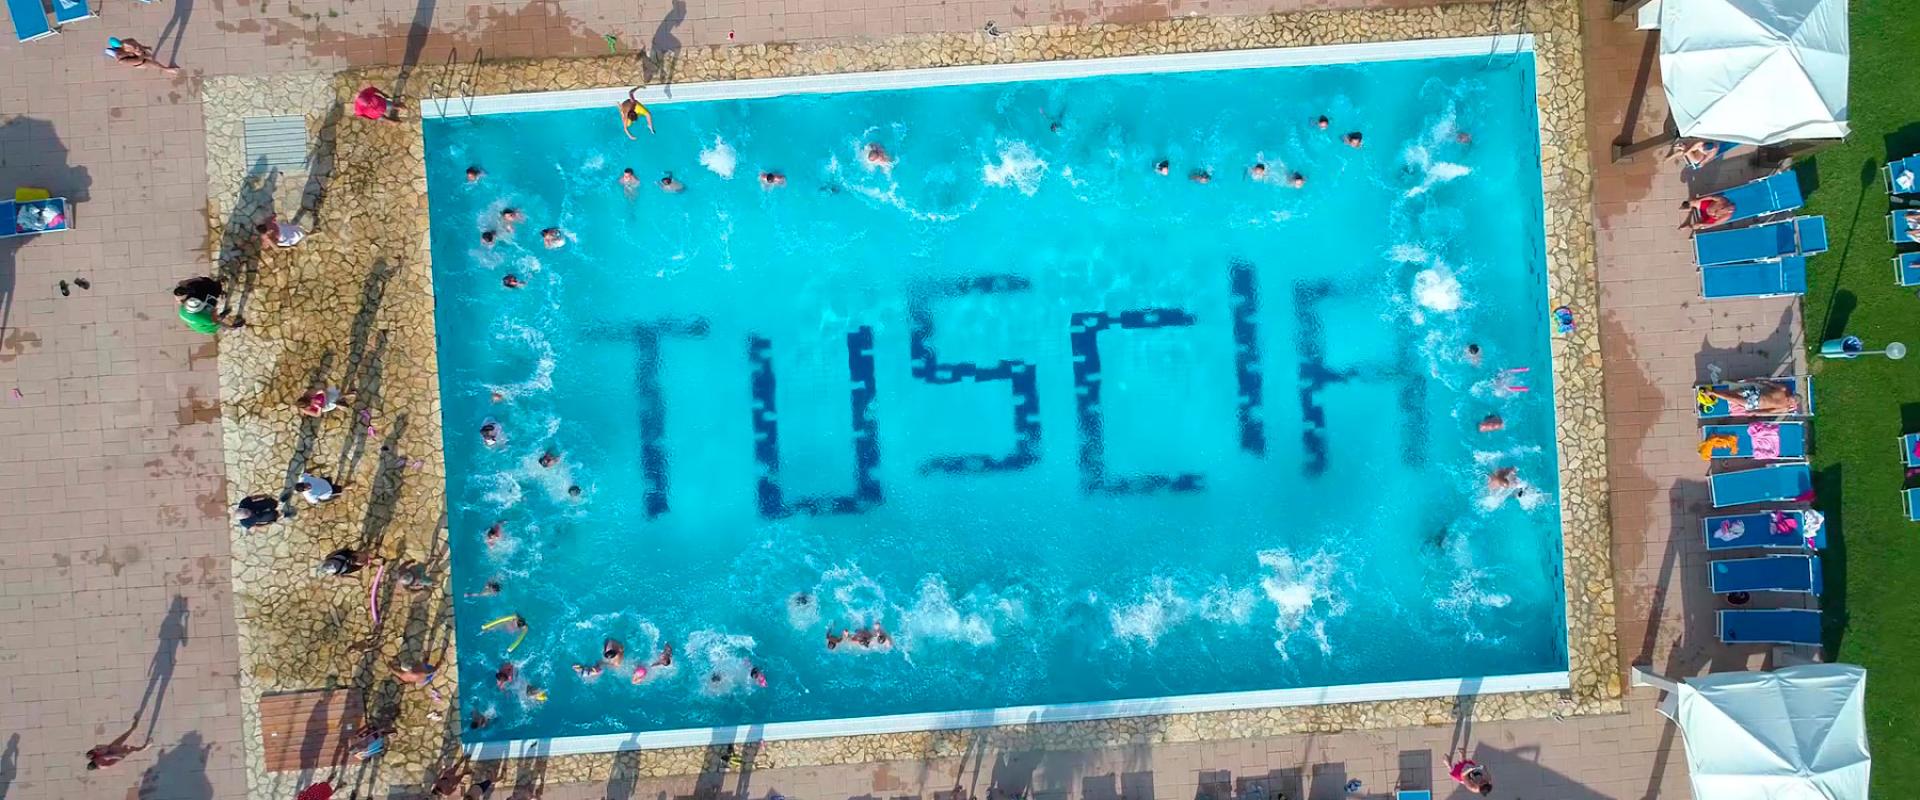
(112, 542)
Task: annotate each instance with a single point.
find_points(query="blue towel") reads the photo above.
(1763, 485)
(1772, 278)
(1913, 504)
(1767, 574)
(1898, 230)
(1770, 626)
(29, 19)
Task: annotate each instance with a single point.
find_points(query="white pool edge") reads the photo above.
(441, 107)
(434, 108)
(1020, 715)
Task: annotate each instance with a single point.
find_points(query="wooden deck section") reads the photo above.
(308, 730)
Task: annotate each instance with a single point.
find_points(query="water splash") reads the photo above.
(935, 615)
(719, 158)
(529, 341)
(1019, 167)
(1436, 289)
(720, 661)
(1147, 619)
(1302, 593)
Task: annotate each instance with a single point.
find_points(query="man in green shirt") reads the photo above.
(199, 300)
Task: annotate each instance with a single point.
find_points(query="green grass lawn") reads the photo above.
(1873, 567)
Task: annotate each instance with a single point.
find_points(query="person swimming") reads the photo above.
(1258, 171)
(1162, 167)
(1353, 140)
(612, 651)
(490, 431)
(510, 217)
(574, 492)
(1502, 479)
(1473, 354)
(553, 238)
(631, 111)
(1491, 423)
(1322, 122)
(772, 180)
(512, 281)
(629, 181)
(587, 672)
(1200, 176)
(878, 156)
(473, 174)
(489, 589)
(504, 675)
(759, 677)
(671, 185)
(1297, 180)
(496, 533)
(548, 459)
(486, 238)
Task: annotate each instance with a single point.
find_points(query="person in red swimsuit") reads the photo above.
(1470, 774)
(1707, 211)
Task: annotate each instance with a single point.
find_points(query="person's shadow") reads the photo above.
(177, 28)
(9, 764)
(179, 772)
(173, 634)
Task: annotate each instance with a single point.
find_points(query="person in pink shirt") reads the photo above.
(371, 103)
(1470, 774)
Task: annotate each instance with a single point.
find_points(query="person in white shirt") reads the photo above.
(315, 489)
(279, 234)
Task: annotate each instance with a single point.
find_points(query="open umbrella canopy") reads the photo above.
(1755, 71)
(1797, 733)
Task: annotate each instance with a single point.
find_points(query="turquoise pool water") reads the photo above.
(1067, 429)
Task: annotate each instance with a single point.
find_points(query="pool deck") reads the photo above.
(117, 447)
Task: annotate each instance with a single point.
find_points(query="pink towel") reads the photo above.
(1766, 440)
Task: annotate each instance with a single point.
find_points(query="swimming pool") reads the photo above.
(1073, 432)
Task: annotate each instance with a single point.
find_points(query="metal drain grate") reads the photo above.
(276, 142)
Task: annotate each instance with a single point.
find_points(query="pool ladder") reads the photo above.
(456, 81)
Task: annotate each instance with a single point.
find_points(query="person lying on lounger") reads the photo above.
(1695, 152)
(1756, 397)
(1913, 225)
(1707, 211)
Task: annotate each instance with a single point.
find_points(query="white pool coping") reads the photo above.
(1019, 715)
(1001, 73)
(986, 73)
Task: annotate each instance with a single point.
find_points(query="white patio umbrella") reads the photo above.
(1797, 733)
(1755, 71)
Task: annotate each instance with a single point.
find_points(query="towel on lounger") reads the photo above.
(1766, 439)
(1724, 441)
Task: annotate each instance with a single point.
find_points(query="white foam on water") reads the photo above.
(1302, 594)
(719, 158)
(1157, 611)
(1228, 605)
(1409, 254)
(593, 162)
(720, 661)
(803, 616)
(513, 333)
(504, 490)
(973, 619)
(1018, 167)
(860, 600)
(1436, 289)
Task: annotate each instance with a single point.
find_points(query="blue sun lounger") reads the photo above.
(1413, 794)
(1774, 194)
(1770, 626)
(1779, 277)
(1908, 457)
(1800, 236)
(1800, 385)
(1800, 574)
(65, 11)
(29, 19)
(1906, 269)
(34, 217)
(1898, 231)
(1903, 176)
(1740, 531)
(1778, 483)
(1793, 440)
(1913, 504)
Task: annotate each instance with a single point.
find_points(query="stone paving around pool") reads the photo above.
(353, 306)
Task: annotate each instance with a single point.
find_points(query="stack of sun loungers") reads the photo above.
(1903, 195)
(1755, 252)
(1772, 539)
